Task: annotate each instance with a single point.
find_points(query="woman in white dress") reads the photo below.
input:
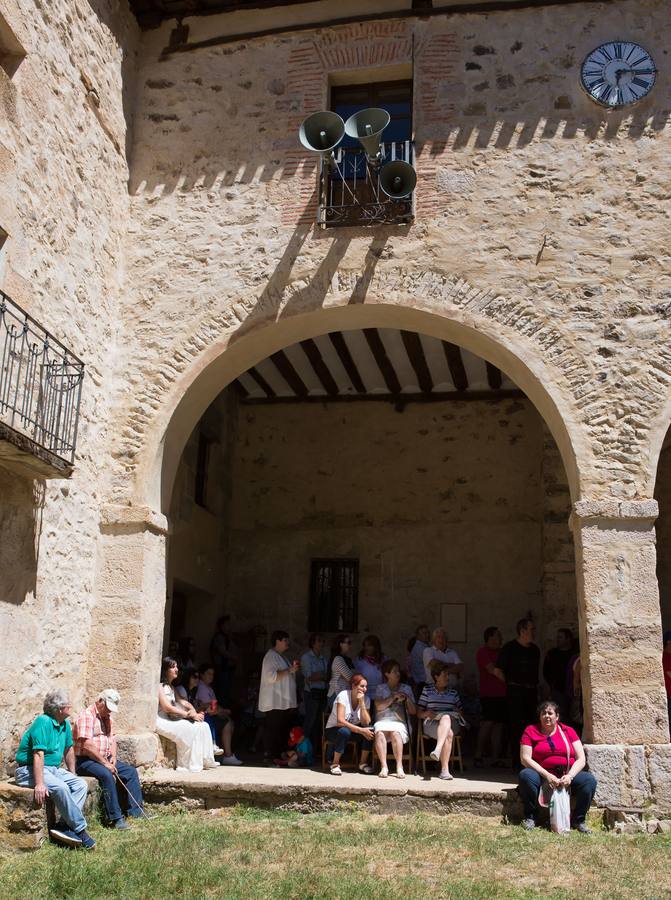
(179, 722)
(394, 703)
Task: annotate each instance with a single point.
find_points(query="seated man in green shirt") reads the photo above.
(42, 750)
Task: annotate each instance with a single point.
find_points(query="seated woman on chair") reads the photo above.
(440, 708)
(350, 721)
(394, 702)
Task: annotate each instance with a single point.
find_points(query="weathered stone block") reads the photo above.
(659, 767)
(138, 749)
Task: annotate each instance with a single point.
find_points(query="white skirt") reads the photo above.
(193, 741)
(392, 726)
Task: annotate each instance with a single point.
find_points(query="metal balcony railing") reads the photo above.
(350, 192)
(40, 382)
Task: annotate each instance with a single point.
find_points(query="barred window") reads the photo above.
(334, 595)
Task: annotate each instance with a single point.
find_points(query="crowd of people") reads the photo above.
(370, 700)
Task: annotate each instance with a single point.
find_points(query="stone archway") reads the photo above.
(613, 537)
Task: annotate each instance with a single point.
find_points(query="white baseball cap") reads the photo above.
(111, 698)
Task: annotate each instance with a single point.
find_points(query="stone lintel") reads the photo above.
(132, 520)
(614, 513)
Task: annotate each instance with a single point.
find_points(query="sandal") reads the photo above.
(446, 776)
(335, 770)
(366, 769)
(400, 773)
(383, 773)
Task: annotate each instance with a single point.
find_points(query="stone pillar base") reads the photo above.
(139, 749)
(634, 776)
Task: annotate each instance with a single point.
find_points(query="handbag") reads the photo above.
(558, 800)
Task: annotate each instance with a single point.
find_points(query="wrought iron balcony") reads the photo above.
(40, 390)
(350, 192)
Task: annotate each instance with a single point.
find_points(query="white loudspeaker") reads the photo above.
(398, 179)
(322, 132)
(367, 126)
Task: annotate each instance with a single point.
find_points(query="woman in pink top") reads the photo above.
(554, 753)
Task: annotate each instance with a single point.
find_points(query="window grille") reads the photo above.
(334, 595)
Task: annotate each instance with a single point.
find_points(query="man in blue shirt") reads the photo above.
(43, 748)
(314, 666)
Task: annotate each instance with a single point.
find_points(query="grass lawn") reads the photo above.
(246, 853)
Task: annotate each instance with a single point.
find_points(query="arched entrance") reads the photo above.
(138, 529)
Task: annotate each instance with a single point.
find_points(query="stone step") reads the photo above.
(22, 825)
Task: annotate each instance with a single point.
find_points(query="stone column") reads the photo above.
(127, 623)
(626, 726)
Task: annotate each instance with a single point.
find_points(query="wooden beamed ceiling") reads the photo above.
(373, 363)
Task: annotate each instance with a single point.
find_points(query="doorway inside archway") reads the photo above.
(369, 481)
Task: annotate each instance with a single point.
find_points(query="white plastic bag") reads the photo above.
(560, 811)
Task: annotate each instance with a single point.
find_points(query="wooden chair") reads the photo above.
(352, 745)
(422, 756)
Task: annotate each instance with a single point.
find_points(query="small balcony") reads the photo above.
(351, 193)
(40, 393)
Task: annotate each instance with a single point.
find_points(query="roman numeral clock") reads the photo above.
(618, 74)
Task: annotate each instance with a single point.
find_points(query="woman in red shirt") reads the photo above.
(544, 749)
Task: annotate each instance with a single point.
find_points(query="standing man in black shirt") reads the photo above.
(518, 665)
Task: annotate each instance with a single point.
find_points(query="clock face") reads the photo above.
(618, 73)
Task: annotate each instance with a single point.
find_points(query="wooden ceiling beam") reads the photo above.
(494, 377)
(262, 383)
(341, 348)
(321, 370)
(290, 375)
(383, 362)
(456, 366)
(413, 347)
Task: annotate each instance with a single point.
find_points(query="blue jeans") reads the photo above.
(111, 788)
(583, 787)
(66, 790)
(340, 737)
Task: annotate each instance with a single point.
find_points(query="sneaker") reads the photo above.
(231, 760)
(435, 756)
(335, 770)
(529, 824)
(61, 834)
(365, 769)
(218, 751)
(446, 776)
(121, 825)
(87, 842)
(582, 828)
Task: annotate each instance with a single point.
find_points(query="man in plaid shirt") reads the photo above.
(95, 746)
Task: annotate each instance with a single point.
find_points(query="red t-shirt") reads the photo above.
(490, 685)
(666, 665)
(549, 751)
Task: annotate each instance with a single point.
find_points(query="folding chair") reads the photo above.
(354, 764)
(422, 756)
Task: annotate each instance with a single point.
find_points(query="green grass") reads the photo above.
(248, 853)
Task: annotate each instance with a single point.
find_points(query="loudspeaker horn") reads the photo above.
(366, 126)
(398, 179)
(322, 132)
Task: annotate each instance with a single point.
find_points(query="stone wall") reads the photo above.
(64, 205)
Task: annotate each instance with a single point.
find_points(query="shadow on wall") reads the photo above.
(152, 175)
(20, 530)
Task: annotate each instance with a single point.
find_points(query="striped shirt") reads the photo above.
(341, 675)
(436, 701)
(90, 727)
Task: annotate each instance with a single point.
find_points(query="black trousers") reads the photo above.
(522, 702)
(276, 731)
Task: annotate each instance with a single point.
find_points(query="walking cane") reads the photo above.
(132, 798)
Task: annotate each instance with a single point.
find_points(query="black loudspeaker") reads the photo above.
(398, 179)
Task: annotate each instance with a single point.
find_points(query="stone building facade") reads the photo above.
(160, 220)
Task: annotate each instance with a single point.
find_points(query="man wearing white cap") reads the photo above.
(95, 746)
